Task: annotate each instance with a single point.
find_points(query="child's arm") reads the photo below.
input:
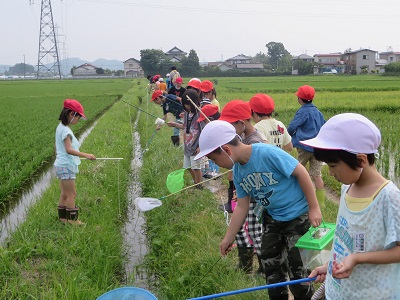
(344, 269)
(175, 124)
(238, 218)
(314, 212)
(71, 151)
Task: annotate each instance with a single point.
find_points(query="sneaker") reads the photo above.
(226, 207)
(207, 175)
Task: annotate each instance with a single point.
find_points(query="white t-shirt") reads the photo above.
(374, 228)
(274, 132)
(63, 159)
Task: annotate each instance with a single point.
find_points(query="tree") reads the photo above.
(304, 68)
(276, 51)
(260, 58)
(285, 64)
(151, 60)
(99, 71)
(21, 69)
(190, 65)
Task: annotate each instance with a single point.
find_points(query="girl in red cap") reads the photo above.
(67, 160)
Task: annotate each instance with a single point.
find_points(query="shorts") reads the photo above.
(305, 157)
(63, 173)
(188, 162)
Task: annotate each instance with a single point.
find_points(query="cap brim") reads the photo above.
(321, 144)
(204, 152)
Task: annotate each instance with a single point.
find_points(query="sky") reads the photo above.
(215, 29)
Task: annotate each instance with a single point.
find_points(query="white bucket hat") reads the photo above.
(351, 132)
(214, 135)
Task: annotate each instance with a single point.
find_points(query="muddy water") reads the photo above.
(134, 229)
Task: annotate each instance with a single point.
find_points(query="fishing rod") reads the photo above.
(140, 109)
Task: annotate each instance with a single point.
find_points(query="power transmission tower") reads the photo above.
(48, 58)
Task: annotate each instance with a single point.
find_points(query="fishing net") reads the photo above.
(175, 181)
(146, 204)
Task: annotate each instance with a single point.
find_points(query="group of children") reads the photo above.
(275, 192)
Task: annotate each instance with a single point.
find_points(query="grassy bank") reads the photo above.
(44, 259)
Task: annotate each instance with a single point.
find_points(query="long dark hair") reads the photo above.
(64, 116)
(195, 98)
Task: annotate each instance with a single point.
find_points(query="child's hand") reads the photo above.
(315, 216)
(90, 156)
(159, 127)
(344, 269)
(320, 273)
(171, 124)
(225, 247)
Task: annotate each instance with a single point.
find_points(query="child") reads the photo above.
(206, 89)
(170, 104)
(282, 186)
(177, 89)
(271, 130)
(365, 253)
(191, 134)
(210, 169)
(238, 113)
(67, 160)
(194, 84)
(162, 86)
(306, 124)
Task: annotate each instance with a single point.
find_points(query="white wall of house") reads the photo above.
(365, 58)
(85, 70)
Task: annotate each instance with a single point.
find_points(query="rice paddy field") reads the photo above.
(46, 260)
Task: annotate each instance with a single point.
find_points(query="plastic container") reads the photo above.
(315, 245)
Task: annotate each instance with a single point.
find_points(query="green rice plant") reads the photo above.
(28, 127)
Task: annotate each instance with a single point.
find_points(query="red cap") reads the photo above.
(305, 92)
(75, 106)
(206, 86)
(194, 83)
(262, 104)
(156, 94)
(179, 80)
(235, 110)
(209, 110)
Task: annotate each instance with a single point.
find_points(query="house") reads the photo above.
(85, 70)
(238, 59)
(175, 54)
(250, 67)
(132, 68)
(304, 57)
(380, 65)
(390, 56)
(328, 62)
(359, 61)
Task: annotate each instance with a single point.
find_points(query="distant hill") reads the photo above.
(112, 64)
(67, 64)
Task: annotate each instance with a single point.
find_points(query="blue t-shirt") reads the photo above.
(267, 177)
(63, 159)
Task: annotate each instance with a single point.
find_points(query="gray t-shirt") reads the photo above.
(252, 138)
(192, 130)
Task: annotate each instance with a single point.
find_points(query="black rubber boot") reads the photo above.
(72, 216)
(175, 140)
(246, 259)
(260, 270)
(62, 213)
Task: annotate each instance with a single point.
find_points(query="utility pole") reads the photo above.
(24, 66)
(48, 58)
